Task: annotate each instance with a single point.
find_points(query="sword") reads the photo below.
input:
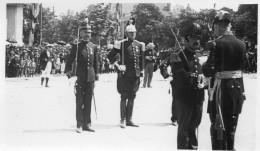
(95, 105)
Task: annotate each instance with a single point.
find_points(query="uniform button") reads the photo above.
(196, 71)
(196, 66)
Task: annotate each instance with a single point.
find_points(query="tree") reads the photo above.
(148, 20)
(245, 21)
(49, 26)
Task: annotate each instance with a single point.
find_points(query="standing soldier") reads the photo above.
(188, 92)
(86, 72)
(174, 61)
(224, 65)
(130, 69)
(149, 56)
(45, 57)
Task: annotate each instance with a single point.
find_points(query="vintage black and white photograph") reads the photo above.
(129, 75)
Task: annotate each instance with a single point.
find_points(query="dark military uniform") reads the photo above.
(228, 55)
(175, 63)
(149, 66)
(87, 73)
(129, 81)
(188, 96)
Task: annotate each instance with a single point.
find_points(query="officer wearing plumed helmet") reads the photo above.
(130, 69)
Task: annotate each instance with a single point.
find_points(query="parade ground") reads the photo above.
(40, 118)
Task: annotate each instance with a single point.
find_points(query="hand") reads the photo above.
(142, 74)
(121, 67)
(170, 78)
(201, 81)
(46, 59)
(97, 77)
(69, 74)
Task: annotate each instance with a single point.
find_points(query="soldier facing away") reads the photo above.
(224, 65)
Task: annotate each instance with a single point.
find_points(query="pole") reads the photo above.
(41, 27)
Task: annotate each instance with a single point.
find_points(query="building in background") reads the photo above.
(14, 20)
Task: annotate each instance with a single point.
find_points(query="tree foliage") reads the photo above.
(151, 24)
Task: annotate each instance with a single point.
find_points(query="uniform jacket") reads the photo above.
(151, 54)
(228, 55)
(44, 59)
(88, 63)
(133, 56)
(185, 75)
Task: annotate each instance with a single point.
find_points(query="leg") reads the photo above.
(123, 109)
(231, 124)
(184, 118)
(150, 75)
(174, 108)
(145, 76)
(79, 104)
(87, 106)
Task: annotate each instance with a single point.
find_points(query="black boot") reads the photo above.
(42, 80)
(87, 128)
(123, 113)
(47, 80)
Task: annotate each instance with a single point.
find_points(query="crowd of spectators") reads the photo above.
(24, 61)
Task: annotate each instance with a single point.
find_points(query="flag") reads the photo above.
(35, 9)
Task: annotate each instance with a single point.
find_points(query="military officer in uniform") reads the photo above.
(45, 60)
(87, 73)
(188, 89)
(130, 68)
(226, 88)
(149, 55)
(175, 63)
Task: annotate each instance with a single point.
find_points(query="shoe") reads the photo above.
(122, 124)
(149, 86)
(47, 86)
(130, 123)
(143, 87)
(87, 128)
(174, 123)
(79, 129)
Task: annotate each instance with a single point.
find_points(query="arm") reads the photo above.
(96, 64)
(70, 59)
(163, 68)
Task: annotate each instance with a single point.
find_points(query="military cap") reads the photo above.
(191, 29)
(222, 16)
(85, 26)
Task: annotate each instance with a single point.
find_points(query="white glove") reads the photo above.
(201, 81)
(122, 67)
(169, 78)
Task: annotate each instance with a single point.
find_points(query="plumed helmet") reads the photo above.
(190, 29)
(85, 26)
(130, 26)
(222, 17)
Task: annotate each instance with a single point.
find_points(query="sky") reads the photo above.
(61, 6)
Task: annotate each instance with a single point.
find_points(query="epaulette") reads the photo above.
(117, 44)
(142, 44)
